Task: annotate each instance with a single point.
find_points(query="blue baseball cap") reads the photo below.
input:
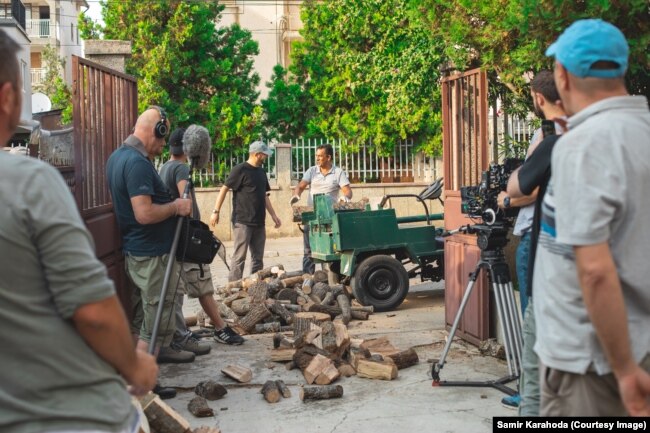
(586, 42)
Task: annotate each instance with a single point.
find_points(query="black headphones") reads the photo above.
(161, 129)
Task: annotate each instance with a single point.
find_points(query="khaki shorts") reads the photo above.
(193, 284)
(147, 274)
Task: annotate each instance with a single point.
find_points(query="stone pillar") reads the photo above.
(283, 161)
(112, 54)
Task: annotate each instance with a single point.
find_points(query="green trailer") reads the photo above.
(374, 248)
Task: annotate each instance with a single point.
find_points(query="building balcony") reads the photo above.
(39, 29)
(38, 76)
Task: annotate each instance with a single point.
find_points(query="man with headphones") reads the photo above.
(146, 215)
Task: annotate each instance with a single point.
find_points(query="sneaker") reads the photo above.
(193, 345)
(164, 392)
(228, 336)
(511, 401)
(167, 355)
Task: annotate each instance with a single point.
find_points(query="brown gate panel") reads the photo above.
(465, 156)
(104, 113)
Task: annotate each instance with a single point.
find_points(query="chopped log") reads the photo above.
(290, 365)
(234, 284)
(302, 322)
(265, 328)
(210, 390)
(320, 276)
(268, 272)
(348, 290)
(328, 335)
(294, 308)
(198, 407)
(203, 320)
(328, 298)
(385, 370)
(241, 306)
(287, 294)
(239, 373)
(355, 343)
(284, 389)
(257, 313)
(379, 345)
(344, 303)
(274, 286)
(161, 417)
(346, 370)
(191, 320)
(280, 310)
(342, 338)
(405, 359)
(321, 392)
(375, 357)
(304, 355)
(307, 284)
(206, 429)
(292, 281)
(355, 357)
(229, 299)
(246, 283)
(320, 370)
(280, 340)
(359, 315)
(271, 392)
(282, 354)
(258, 292)
(226, 312)
(291, 275)
(319, 290)
(303, 299)
(367, 309)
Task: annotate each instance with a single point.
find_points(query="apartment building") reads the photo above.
(12, 21)
(274, 24)
(50, 22)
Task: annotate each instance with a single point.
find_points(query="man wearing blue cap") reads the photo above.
(593, 313)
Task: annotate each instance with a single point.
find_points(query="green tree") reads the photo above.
(199, 72)
(53, 84)
(88, 28)
(288, 107)
(372, 71)
(509, 37)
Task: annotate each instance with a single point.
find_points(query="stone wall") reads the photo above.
(111, 54)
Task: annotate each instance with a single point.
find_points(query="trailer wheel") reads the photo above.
(380, 281)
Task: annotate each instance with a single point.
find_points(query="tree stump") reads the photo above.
(321, 392)
(302, 322)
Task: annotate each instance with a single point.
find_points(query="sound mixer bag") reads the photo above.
(197, 244)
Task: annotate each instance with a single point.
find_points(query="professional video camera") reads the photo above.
(480, 201)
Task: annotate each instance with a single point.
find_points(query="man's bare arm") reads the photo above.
(603, 298)
(147, 212)
(214, 218)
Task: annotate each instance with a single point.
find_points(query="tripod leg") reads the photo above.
(515, 320)
(435, 371)
(503, 325)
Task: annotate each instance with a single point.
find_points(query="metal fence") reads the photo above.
(365, 165)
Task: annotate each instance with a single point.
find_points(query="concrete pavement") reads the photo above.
(408, 403)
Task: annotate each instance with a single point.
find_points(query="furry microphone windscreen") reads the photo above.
(197, 145)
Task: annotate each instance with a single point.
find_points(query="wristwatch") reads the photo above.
(215, 211)
(506, 202)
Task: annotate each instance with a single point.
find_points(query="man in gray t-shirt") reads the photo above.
(593, 312)
(322, 178)
(67, 352)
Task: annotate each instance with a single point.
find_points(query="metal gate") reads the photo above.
(465, 156)
(104, 113)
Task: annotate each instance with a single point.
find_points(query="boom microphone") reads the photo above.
(197, 145)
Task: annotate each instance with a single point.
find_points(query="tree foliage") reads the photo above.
(509, 37)
(198, 71)
(88, 28)
(54, 86)
(372, 72)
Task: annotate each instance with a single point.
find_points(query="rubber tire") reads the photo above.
(380, 281)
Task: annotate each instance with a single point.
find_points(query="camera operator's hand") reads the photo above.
(183, 206)
(500, 198)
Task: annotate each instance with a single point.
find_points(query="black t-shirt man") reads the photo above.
(536, 172)
(250, 186)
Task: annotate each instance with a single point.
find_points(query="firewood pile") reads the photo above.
(270, 301)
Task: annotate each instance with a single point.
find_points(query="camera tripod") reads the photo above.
(491, 240)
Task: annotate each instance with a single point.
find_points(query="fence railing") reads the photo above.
(38, 28)
(38, 75)
(365, 165)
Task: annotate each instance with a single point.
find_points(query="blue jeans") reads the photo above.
(521, 262)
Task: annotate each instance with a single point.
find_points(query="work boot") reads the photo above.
(228, 336)
(164, 392)
(191, 344)
(167, 355)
